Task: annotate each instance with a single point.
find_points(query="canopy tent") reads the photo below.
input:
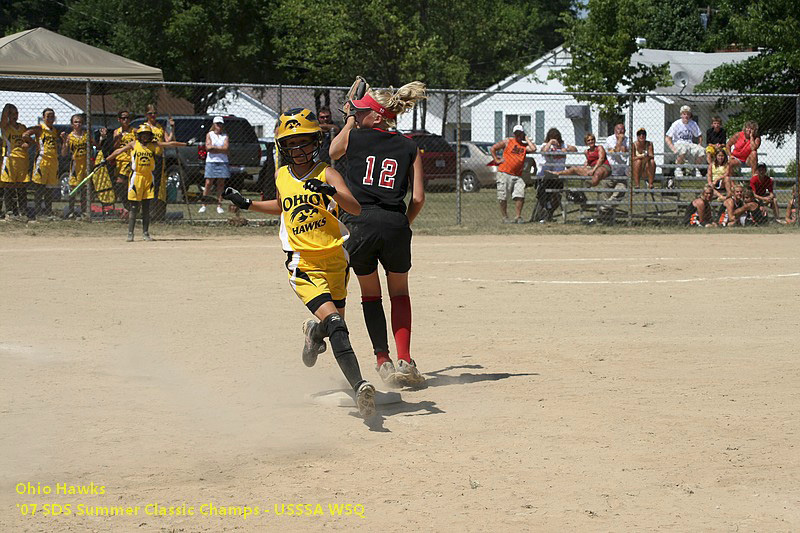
(39, 53)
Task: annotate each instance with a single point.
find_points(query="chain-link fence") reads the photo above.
(645, 165)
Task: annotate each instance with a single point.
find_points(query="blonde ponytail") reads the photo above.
(401, 100)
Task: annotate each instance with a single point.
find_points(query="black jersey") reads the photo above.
(379, 167)
(756, 217)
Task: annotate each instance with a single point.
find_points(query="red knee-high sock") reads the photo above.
(401, 326)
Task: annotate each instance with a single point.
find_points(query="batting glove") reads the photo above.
(315, 185)
(236, 198)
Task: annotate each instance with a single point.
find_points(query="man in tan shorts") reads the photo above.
(509, 171)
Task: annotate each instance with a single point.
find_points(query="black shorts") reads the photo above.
(378, 235)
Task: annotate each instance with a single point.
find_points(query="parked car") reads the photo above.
(244, 153)
(479, 170)
(264, 144)
(438, 158)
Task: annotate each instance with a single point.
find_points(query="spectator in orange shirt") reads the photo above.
(509, 171)
(744, 145)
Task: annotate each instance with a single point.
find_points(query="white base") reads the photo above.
(341, 398)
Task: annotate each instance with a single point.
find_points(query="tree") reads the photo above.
(773, 27)
(202, 41)
(601, 46)
(20, 15)
(673, 25)
(457, 44)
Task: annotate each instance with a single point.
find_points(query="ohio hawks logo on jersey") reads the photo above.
(303, 212)
(303, 209)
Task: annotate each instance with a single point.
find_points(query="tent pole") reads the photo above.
(89, 138)
(458, 155)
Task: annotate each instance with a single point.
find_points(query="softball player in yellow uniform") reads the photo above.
(14, 170)
(123, 135)
(44, 176)
(160, 173)
(309, 194)
(75, 145)
(140, 186)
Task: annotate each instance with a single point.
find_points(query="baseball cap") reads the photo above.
(218, 120)
(517, 128)
(368, 102)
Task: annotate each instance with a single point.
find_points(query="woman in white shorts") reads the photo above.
(217, 170)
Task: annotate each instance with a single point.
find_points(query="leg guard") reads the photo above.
(39, 192)
(146, 216)
(22, 200)
(336, 330)
(132, 217)
(7, 197)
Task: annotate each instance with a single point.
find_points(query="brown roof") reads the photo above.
(167, 103)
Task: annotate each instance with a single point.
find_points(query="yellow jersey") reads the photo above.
(125, 137)
(48, 144)
(143, 159)
(308, 219)
(77, 146)
(158, 136)
(12, 142)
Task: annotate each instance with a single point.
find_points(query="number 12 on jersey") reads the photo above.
(388, 170)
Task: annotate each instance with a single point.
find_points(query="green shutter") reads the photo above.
(498, 125)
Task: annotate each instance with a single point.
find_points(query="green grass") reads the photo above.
(479, 215)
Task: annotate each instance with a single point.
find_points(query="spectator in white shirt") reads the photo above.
(680, 139)
(617, 149)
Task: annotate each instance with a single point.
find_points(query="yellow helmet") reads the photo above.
(144, 128)
(298, 121)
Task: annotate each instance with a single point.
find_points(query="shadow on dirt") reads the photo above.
(422, 408)
(437, 378)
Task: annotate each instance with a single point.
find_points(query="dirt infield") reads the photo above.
(577, 382)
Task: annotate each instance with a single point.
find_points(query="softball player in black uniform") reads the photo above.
(381, 166)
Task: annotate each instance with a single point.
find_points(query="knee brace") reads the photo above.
(336, 330)
(333, 323)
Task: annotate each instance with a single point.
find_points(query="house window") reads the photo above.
(498, 125)
(259, 130)
(539, 133)
(606, 126)
(513, 120)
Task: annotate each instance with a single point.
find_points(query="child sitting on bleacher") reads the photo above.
(719, 175)
(716, 137)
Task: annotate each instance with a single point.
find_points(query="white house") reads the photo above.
(436, 105)
(30, 106)
(241, 104)
(539, 103)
